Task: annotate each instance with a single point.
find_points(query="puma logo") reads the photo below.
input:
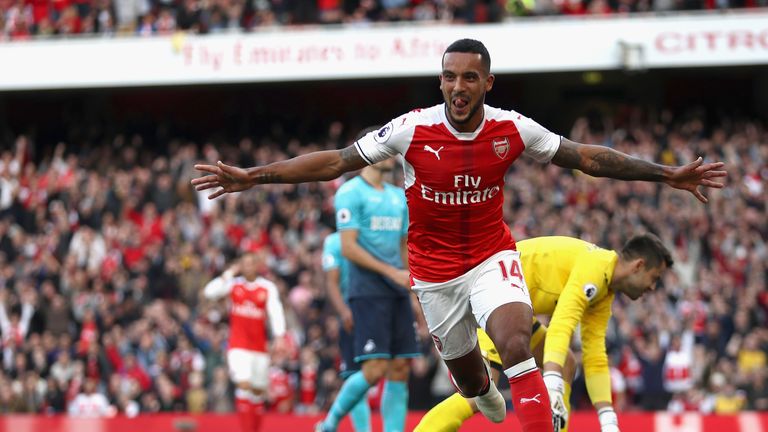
(436, 152)
(533, 399)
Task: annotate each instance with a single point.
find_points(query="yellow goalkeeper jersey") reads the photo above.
(568, 279)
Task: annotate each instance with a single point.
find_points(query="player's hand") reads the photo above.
(555, 388)
(608, 420)
(401, 277)
(226, 177)
(280, 344)
(232, 271)
(347, 320)
(697, 173)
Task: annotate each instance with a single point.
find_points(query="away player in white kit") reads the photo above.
(253, 300)
(462, 256)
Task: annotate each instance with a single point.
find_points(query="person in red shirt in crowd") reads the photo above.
(253, 301)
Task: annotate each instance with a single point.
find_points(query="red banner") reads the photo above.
(580, 422)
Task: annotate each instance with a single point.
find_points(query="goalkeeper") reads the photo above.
(574, 282)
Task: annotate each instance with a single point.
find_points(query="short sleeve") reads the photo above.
(540, 143)
(391, 139)
(347, 205)
(330, 260)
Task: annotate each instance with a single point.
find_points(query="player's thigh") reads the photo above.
(487, 348)
(497, 281)
(260, 371)
(405, 343)
(239, 365)
(372, 340)
(448, 315)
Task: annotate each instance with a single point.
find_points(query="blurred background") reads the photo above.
(105, 105)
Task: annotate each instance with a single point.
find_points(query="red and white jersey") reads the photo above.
(89, 405)
(454, 183)
(251, 304)
(678, 375)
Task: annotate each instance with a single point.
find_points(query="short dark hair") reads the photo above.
(471, 46)
(649, 247)
(365, 131)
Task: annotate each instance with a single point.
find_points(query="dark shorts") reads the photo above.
(348, 364)
(384, 328)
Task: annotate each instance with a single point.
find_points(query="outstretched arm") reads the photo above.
(315, 166)
(600, 161)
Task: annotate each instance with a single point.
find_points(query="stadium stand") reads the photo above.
(24, 19)
(104, 250)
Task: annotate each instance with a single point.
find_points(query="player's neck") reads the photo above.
(620, 273)
(471, 125)
(373, 177)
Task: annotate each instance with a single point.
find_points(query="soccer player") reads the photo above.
(574, 282)
(456, 157)
(372, 219)
(253, 300)
(336, 269)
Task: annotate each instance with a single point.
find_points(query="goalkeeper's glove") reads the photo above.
(555, 388)
(608, 420)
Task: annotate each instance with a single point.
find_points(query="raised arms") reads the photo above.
(315, 166)
(600, 161)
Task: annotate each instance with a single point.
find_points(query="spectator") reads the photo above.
(90, 403)
(63, 369)
(23, 20)
(196, 396)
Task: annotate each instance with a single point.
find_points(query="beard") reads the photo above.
(470, 114)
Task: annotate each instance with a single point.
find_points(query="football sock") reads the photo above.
(244, 409)
(257, 410)
(353, 390)
(447, 416)
(530, 397)
(361, 416)
(394, 406)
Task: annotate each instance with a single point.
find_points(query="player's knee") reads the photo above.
(472, 386)
(374, 370)
(514, 348)
(399, 369)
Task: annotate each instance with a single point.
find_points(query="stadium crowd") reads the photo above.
(104, 252)
(23, 19)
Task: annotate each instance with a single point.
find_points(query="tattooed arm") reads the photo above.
(315, 166)
(600, 161)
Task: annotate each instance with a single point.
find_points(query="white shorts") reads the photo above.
(455, 308)
(249, 366)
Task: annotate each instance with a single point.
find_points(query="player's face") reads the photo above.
(643, 280)
(387, 165)
(464, 82)
(249, 267)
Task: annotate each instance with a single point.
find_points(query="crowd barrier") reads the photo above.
(580, 422)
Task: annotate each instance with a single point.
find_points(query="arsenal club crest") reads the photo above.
(501, 146)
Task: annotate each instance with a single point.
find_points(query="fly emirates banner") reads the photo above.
(314, 53)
